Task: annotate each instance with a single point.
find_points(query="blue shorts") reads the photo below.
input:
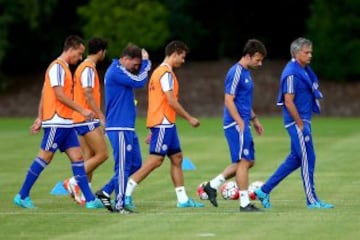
(164, 140)
(59, 138)
(84, 128)
(241, 145)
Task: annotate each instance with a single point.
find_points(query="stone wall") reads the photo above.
(201, 92)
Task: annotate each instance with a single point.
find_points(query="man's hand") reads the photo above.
(241, 125)
(148, 138)
(144, 54)
(258, 127)
(36, 126)
(194, 122)
(88, 114)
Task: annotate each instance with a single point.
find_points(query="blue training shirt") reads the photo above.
(119, 87)
(303, 83)
(238, 83)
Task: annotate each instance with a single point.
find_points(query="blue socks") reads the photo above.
(32, 175)
(82, 180)
(39, 165)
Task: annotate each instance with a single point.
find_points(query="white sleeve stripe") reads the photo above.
(170, 80)
(90, 77)
(290, 84)
(59, 74)
(139, 77)
(235, 82)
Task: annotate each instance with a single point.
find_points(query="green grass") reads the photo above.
(57, 217)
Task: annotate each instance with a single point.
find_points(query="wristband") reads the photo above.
(253, 118)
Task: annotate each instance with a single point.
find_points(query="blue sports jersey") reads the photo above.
(303, 83)
(120, 105)
(238, 82)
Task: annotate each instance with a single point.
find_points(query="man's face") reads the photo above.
(76, 54)
(305, 55)
(179, 59)
(132, 64)
(255, 61)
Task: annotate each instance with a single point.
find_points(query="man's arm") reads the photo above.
(36, 126)
(60, 95)
(256, 123)
(230, 105)
(180, 110)
(91, 101)
(289, 104)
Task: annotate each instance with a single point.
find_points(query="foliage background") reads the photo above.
(35, 29)
(32, 34)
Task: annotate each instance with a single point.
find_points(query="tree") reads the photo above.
(334, 27)
(29, 13)
(183, 25)
(142, 22)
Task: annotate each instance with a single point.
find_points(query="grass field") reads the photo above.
(337, 142)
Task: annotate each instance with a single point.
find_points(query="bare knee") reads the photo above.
(246, 164)
(103, 156)
(176, 159)
(251, 164)
(157, 163)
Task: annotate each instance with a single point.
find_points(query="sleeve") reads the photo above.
(56, 75)
(167, 82)
(289, 85)
(134, 80)
(87, 78)
(232, 81)
(145, 66)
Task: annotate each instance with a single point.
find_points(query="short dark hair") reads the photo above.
(96, 44)
(253, 46)
(132, 51)
(73, 41)
(176, 46)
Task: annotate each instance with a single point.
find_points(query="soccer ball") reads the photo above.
(253, 187)
(200, 191)
(230, 191)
